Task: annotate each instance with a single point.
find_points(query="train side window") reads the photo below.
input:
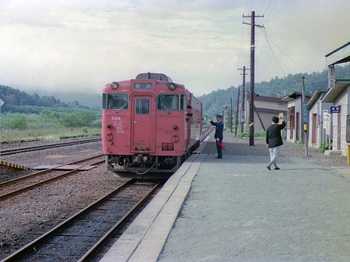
(142, 106)
(115, 101)
(171, 102)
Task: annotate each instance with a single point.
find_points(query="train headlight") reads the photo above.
(114, 85)
(172, 86)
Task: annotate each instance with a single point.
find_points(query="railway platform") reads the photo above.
(235, 209)
(7, 166)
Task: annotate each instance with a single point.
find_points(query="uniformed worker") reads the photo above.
(219, 130)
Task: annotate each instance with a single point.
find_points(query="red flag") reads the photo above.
(220, 145)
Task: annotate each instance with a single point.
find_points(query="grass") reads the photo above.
(37, 129)
(32, 134)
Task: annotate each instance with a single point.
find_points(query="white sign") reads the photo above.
(326, 122)
(1, 103)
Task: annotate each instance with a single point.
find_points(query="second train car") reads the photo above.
(150, 125)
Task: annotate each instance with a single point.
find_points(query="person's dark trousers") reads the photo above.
(219, 149)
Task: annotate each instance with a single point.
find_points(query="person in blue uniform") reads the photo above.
(274, 140)
(219, 130)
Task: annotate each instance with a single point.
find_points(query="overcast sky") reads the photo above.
(80, 45)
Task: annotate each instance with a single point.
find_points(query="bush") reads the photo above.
(70, 120)
(14, 121)
(324, 146)
(49, 115)
(75, 119)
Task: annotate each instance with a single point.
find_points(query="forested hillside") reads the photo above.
(17, 101)
(216, 100)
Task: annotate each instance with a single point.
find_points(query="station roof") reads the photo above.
(293, 96)
(268, 99)
(318, 93)
(340, 55)
(333, 93)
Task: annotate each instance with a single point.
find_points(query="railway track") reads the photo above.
(47, 146)
(30, 185)
(206, 132)
(80, 236)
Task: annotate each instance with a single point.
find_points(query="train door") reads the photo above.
(142, 133)
(188, 121)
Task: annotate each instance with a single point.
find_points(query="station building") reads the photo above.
(338, 97)
(295, 127)
(265, 108)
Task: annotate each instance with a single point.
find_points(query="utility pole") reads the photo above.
(252, 77)
(243, 98)
(231, 114)
(237, 112)
(305, 116)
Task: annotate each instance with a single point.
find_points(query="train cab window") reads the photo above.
(115, 101)
(142, 105)
(171, 102)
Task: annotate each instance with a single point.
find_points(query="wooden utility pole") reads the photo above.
(231, 114)
(305, 116)
(237, 112)
(243, 98)
(252, 77)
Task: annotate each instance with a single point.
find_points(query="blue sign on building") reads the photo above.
(335, 109)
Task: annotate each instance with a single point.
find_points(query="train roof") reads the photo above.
(156, 76)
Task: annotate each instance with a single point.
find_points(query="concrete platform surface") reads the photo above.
(234, 209)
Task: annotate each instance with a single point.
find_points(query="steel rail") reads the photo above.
(47, 146)
(89, 254)
(32, 246)
(46, 171)
(21, 190)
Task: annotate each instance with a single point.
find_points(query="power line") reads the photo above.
(267, 37)
(280, 64)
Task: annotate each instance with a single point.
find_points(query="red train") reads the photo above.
(150, 125)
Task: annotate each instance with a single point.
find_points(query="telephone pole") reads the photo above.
(243, 98)
(252, 77)
(237, 112)
(305, 116)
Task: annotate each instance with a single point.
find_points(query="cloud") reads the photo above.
(82, 45)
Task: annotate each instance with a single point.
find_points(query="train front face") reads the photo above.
(143, 127)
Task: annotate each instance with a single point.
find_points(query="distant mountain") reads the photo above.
(90, 100)
(17, 101)
(215, 101)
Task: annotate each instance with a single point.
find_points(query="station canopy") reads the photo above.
(339, 56)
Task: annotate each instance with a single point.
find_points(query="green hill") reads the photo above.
(17, 101)
(216, 100)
